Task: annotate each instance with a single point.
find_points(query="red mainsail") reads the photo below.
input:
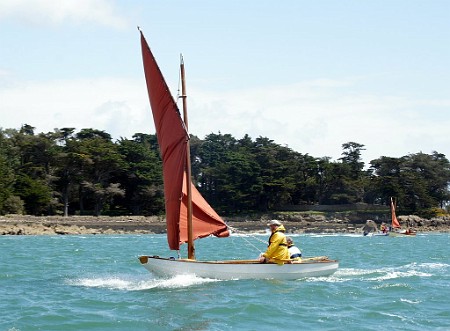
(172, 139)
(395, 223)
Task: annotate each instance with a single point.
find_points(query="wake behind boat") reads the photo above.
(188, 214)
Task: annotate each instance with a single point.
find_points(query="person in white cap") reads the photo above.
(277, 251)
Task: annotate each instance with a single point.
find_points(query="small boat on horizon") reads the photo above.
(396, 229)
(370, 229)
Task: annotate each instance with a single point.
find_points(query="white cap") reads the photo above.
(274, 222)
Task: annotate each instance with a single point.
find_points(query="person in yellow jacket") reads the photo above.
(277, 251)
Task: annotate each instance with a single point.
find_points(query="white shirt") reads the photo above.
(294, 250)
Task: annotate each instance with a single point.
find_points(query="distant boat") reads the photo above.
(370, 230)
(188, 215)
(396, 229)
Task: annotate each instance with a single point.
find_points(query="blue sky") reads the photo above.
(311, 75)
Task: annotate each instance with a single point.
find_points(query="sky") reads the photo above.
(310, 75)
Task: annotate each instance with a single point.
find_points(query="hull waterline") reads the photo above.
(398, 234)
(227, 270)
(376, 235)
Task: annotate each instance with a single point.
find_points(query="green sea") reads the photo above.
(96, 283)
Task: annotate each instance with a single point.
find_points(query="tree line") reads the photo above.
(87, 173)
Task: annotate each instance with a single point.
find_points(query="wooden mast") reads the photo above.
(191, 248)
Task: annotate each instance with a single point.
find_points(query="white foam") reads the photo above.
(402, 318)
(382, 274)
(130, 284)
(327, 279)
(355, 272)
(392, 285)
(410, 301)
(432, 266)
(400, 274)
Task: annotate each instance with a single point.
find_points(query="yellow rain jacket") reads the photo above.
(277, 251)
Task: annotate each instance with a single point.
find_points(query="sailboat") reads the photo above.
(188, 214)
(396, 229)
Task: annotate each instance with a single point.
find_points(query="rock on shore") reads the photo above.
(52, 225)
(305, 223)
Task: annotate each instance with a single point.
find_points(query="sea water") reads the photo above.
(96, 283)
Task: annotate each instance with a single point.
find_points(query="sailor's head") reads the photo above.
(273, 224)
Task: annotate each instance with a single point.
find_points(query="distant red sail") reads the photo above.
(395, 223)
(172, 139)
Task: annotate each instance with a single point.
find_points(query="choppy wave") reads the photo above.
(131, 284)
(96, 282)
(385, 273)
(400, 274)
(414, 302)
(321, 235)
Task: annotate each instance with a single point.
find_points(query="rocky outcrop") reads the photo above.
(294, 223)
(51, 225)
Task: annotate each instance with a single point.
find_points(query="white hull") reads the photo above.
(376, 234)
(238, 269)
(400, 234)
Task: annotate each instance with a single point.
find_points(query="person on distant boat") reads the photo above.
(294, 252)
(369, 227)
(384, 228)
(277, 250)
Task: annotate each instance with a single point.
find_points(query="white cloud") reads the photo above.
(318, 118)
(308, 117)
(44, 12)
(119, 107)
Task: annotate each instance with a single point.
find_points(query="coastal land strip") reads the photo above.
(305, 223)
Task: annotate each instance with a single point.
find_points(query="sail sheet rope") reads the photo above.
(246, 239)
(250, 235)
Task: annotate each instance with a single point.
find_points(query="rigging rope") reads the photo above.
(254, 237)
(246, 240)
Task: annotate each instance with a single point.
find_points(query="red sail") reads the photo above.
(172, 140)
(395, 223)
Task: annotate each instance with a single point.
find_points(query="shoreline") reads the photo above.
(82, 225)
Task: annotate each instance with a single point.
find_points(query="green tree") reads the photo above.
(277, 175)
(213, 155)
(35, 193)
(100, 163)
(67, 167)
(6, 171)
(425, 180)
(418, 181)
(142, 177)
(307, 184)
(351, 155)
(34, 180)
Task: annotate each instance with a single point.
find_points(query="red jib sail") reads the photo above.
(172, 139)
(395, 223)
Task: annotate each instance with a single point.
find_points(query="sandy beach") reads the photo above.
(58, 225)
